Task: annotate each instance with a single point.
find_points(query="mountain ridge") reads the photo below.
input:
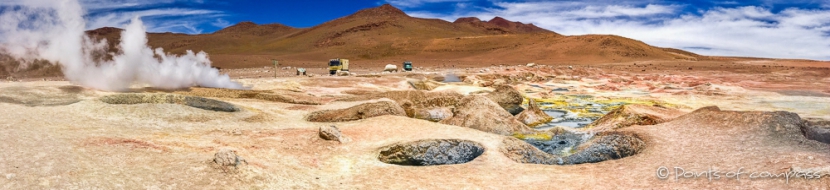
(388, 33)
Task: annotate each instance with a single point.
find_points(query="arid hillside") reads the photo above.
(386, 34)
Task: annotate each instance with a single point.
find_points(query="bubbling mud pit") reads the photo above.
(565, 149)
(41, 96)
(489, 113)
(196, 102)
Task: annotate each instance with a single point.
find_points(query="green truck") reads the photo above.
(407, 66)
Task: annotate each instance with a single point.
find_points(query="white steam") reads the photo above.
(53, 30)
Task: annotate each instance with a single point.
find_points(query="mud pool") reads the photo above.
(577, 111)
(559, 145)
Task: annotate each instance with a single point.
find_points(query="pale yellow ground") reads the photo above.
(94, 145)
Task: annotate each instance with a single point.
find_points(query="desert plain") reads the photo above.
(58, 135)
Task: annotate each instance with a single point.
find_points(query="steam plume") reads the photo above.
(53, 30)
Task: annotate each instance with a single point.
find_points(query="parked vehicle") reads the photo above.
(338, 65)
(407, 66)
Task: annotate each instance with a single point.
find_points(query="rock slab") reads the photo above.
(431, 152)
(479, 112)
(330, 133)
(362, 111)
(508, 98)
(533, 115)
(817, 130)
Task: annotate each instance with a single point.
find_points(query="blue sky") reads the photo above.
(758, 28)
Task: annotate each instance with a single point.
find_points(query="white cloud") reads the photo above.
(105, 5)
(121, 18)
(415, 3)
(221, 23)
(582, 10)
(188, 27)
(184, 21)
(158, 16)
(97, 5)
(739, 31)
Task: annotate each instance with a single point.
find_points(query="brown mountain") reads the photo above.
(502, 25)
(386, 34)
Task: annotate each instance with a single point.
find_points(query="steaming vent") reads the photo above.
(53, 30)
(450, 77)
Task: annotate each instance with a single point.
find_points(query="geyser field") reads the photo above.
(141, 118)
(58, 135)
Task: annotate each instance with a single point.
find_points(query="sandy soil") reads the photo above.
(59, 136)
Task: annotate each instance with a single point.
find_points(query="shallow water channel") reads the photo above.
(577, 111)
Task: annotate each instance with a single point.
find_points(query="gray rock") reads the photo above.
(227, 157)
(330, 133)
(209, 104)
(817, 130)
(606, 147)
(431, 152)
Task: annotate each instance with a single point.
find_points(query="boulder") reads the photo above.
(431, 152)
(330, 133)
(358, 112)
(390, 68)
(432, 114)
(508, 98)
(817, 130)
(522, 152)
(606, 146)
(634, 114)
(774, 127)
(533, 115)
(479, 112)
(227, 157)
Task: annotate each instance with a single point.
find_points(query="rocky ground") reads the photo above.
(437, 128)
